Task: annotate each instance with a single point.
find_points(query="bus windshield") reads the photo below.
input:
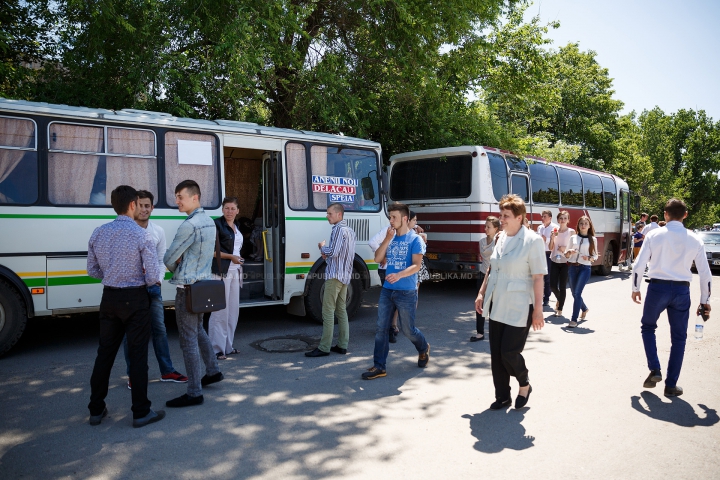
(432, 178)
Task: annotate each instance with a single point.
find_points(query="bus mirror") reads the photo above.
(367, 188)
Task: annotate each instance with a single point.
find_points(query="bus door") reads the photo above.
(272, 222)
(626, 238)
(520, 186)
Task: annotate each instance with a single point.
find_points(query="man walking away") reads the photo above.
(545, 231)
(189, 257)
(402, 250)
(652, 226)
(146, 202)
(339, 256)
(122, 255)
(673, 249)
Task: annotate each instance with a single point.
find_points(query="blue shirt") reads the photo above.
(340, 253)
(399, 257)
(119, 251)
(638, 235)
(194, 242)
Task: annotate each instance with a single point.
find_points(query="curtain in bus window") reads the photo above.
(71, 176)
(22, 185)
(204, 175)
(296, 176)
(610, 192)
(571, 189)
(319, 166)
(593, 190)
(544, 183)
(140, 173)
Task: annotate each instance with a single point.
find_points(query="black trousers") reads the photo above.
(506, 360)
(546, 280)
(558, 282)
(123, 312)
(479, 319)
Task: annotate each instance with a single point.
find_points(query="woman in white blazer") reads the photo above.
(512, 297)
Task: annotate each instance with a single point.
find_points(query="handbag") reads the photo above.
(206, 295)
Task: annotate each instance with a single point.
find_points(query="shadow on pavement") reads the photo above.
(497, 430)
(678, 411)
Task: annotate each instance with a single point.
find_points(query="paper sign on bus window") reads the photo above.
(194, 153)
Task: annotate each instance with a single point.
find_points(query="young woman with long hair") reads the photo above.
(559, 241)
(582, 252)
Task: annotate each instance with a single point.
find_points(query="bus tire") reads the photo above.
(316, 290)
(608, 259)
(13, 317)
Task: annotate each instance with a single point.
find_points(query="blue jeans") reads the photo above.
(578, 276)
(159, 334)
(676, 300)
(405, 302)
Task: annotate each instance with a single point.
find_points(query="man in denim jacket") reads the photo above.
(189, 257)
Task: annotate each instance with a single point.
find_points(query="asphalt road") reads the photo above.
(282, 415)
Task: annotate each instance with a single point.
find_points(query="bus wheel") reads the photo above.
(316, 290)
(12, 317)
(607, 262)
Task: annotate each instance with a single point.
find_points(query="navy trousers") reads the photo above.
(676, 300)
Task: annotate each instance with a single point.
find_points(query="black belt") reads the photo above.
(669, 282)
(123, 288)
(573, 264)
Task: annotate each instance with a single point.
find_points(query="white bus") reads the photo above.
(453, 191)
(58, 165)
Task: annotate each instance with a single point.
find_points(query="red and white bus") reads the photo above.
(453, 190)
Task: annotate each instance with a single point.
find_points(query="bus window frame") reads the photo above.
(507, 174)
(582, 187)
(602, 188)
(38, 163)
(557, 182)
(308, 169)
(615, 192)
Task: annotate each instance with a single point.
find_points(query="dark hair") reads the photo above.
(662, 223)
(146, 194)
(676, 209)
(643, 214)
(400, 207)
(513, 203)
(230, 200)
(122, 197)
(494, 220)
(411, 215)
(590, 234)
(338, 208)
(192, 187)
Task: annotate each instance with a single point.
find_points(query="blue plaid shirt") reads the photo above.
(122, 254)
(340, 253)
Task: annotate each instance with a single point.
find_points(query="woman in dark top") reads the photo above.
(222, 324)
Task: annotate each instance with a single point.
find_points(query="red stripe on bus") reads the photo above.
(436, 246)
(451, 216)
(453, 228)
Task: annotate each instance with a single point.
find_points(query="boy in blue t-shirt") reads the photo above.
(402, 250)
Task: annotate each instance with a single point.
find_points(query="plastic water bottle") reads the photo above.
(699, 329)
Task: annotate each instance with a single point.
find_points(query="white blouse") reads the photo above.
(582, 247)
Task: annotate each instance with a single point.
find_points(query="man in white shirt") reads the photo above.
(545, 231)
(673, 249)
(159, 334)
(652, 226)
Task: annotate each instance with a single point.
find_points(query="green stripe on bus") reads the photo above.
(34, 282)
(168, 275)
(60, 281)
(294, 270)
(372, 266)
(82, 217)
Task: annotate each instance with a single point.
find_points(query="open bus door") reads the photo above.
(272, 223)
(626, 233)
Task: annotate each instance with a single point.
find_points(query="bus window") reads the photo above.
(297, 189)
(498, 171)
(192, 156)
(516, 164)
(432, 178)
(519, 185)
(73, 161)
(336, 176)
(544, 183)
(610, 192)
(18, 161)
(593, 190)
(571, 189)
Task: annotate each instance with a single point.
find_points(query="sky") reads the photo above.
(659, 52)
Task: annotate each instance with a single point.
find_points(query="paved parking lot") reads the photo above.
(282, 415)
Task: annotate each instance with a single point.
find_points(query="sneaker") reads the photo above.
(174, 377)
(424, 357)
(373, 373)
(185, 400)
(572, 324)
(129, 385)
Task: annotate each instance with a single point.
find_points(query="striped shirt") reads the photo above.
(340, 253)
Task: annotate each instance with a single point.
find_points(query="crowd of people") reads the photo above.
(519, 270)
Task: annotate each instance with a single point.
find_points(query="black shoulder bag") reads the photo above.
(207, 295)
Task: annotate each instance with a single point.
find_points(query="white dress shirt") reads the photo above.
(673, 249)
(545, 232)
(648, 228)
(581, 245)
(158, 235)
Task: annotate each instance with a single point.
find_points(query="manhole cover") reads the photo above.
(292, 343)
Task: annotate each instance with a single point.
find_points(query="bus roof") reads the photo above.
(144, 117)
